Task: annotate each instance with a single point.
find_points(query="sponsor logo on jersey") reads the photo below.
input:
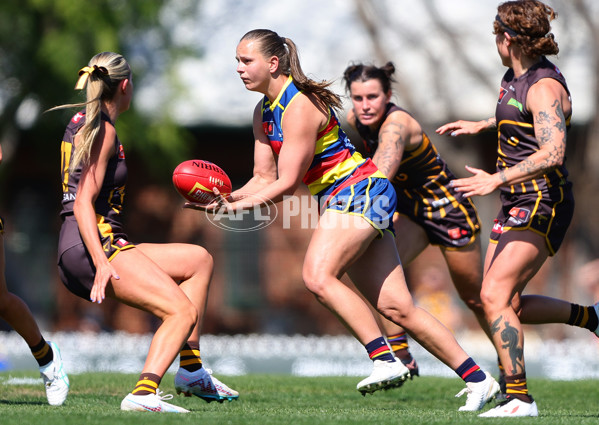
(514, 102)
(121, 242)
(461, 241)
(77, 117)
(457, 233)
(121, 152)
(502, 93)
(519, 215)
(269, 128)
(497, 227)
(440, 202)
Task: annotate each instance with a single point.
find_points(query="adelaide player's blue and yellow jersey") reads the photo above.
(336, 164)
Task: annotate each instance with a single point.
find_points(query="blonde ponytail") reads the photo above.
(102, 77)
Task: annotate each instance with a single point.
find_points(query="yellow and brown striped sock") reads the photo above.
(583, 317)
(399, 345)
(515, 386)
(190, 359)
(147, 384)
(42, 352)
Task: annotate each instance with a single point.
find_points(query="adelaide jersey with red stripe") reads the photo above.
(336, 162)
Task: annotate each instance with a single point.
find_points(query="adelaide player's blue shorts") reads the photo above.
(373, 198)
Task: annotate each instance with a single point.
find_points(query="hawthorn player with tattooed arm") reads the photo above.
(532, 118)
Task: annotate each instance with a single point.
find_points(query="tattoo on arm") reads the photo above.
(388, 154)
(502, 176)
(550, 131)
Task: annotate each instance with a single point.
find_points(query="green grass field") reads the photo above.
(275, 399)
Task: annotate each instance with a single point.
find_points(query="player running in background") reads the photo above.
(532, 118)
(16, 313)
(96, 259)
(428, 211)
(298, 138)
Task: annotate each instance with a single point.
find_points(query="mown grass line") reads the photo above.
(278, 399)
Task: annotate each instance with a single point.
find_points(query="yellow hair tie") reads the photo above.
(85, 72)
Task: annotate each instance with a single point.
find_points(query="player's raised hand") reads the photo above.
(481, 183)
(460, 127)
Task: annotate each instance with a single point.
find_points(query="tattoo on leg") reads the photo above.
(494, 327)
(509, 335)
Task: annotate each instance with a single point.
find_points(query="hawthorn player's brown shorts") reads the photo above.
(1, 225)
(545, 213)
(75, 265)
(449, 219)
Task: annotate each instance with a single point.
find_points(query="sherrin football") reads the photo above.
(195, 179)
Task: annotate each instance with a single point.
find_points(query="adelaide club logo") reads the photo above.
(256, 218)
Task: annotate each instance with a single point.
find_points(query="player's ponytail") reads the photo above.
(271, 44)
(101, 79)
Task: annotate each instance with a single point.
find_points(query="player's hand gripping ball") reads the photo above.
(195, 179)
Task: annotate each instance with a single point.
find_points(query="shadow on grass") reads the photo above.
(29, 403)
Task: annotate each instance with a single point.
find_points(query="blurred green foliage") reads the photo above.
(43, 44)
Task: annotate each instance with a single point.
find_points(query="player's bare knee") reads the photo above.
(187, 315)
(315, 283)
(396, 314)
(205, 258)
(473, 302)
(491, 300)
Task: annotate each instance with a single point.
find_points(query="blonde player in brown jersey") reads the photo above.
(532, 118)
(428, 211)
(96, 259)
(17, 314)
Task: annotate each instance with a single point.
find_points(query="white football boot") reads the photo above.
(478, 393)
(385, 375)
(512, 407)
(151, 403)
(202, 384)
(55, 378)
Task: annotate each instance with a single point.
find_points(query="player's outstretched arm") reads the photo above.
(460, 127)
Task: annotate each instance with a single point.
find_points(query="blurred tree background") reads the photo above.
(445, 64)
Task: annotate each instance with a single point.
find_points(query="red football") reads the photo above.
(195, 179)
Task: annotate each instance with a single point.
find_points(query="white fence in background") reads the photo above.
(572, 358)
